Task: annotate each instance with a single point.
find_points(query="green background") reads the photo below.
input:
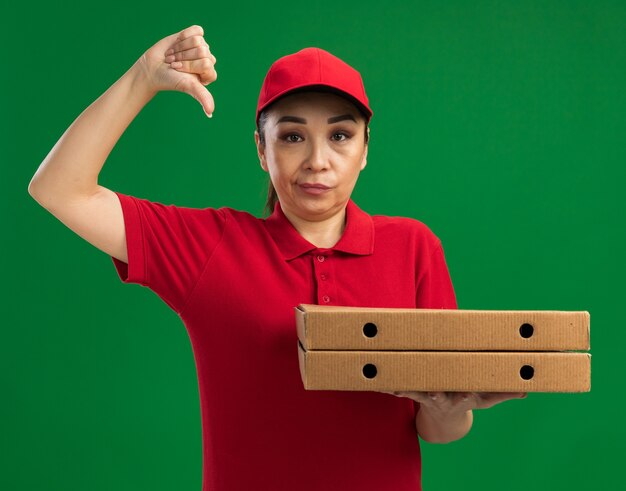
(499, 124)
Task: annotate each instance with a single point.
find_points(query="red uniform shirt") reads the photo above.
(234, 280)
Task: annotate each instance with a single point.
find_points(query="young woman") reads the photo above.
(234, 279)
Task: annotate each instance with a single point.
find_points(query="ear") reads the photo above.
(260, 151)
(364, 160)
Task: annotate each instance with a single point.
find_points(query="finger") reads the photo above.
(207, 77)
(488, 399)
(192, 42)
(505, 396)
(203, 68)
(190, 31)
(437, 396)
(192, 54)
(459, 397)
(419, 397)
(204, 97)
(429, 399)
(202, 65)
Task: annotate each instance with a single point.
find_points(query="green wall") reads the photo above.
(498, 124)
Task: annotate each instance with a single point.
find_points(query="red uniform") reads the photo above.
(234, 280)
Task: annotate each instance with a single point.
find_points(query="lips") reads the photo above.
(314, 186)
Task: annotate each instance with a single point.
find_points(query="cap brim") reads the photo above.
(318, 88)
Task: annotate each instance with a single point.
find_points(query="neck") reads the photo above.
(323, 234)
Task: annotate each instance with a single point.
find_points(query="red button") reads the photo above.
(323, 276)
(326, 298)
(321, 259)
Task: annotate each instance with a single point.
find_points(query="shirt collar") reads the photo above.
(357, 238)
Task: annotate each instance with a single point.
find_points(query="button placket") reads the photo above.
(325, 287)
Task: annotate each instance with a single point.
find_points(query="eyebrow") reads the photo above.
(334, 119)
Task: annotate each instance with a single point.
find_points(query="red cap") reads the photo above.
(312, 67)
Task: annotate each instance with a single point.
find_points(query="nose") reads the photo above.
(318, 155)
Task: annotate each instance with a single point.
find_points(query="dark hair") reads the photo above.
(272, 197)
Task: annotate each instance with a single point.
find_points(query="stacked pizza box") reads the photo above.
(357, 348)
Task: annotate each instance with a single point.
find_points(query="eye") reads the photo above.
(340, 133)
(288, 137)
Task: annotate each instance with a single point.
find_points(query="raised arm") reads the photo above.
(66, 182)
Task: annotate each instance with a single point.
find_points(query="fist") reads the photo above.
(183, 62)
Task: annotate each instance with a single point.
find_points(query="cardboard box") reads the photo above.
(445, 371)
(350, 348)
(360, 328)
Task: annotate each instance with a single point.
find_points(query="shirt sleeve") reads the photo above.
(167, 246)
(434, 288)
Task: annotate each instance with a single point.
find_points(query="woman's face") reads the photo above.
(314, 150)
